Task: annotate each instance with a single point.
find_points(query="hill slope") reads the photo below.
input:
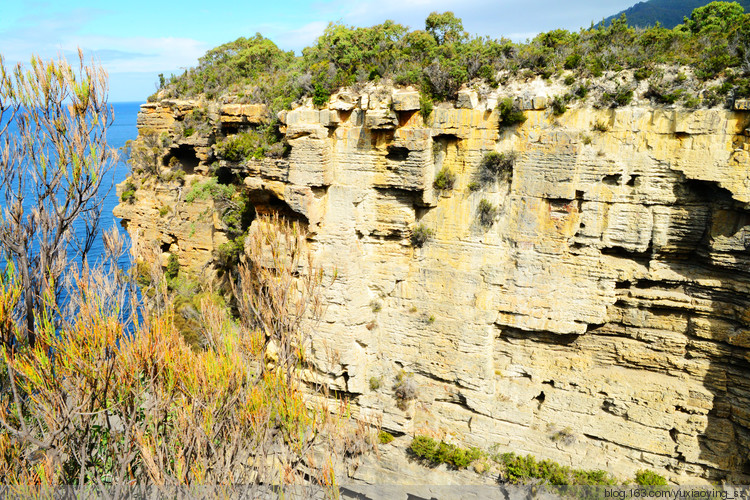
(669, 13)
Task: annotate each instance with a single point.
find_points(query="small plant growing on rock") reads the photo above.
(420, 235)
(385, 437)
(376, 306)
(173, 267)
(559, 105)
(425, 106)
(487, 212)
(645, 477)
(599, 126)
(495, 166)
(622, 96)
(128, 193)
(374, 383)
(405, 389)
(565, 436)
(509, 113)
(436, 453)
(444, 180)
(210, 188)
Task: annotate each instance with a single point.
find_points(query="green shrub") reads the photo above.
(642, 73)
(599, 126)
(420, 235)
(495, 166)
(440, 60)
(559, 105)
(441, 452)
(622, 96)
(526, 469)
(645, 477)
(374, 383)
(128, 193)
(245, 145)
(487, 212)
(509, 113)
(444, 180)
(425, 106)
(128, 197)
(173, 267)
(321, 95)
(385, 437)
(163, 210)
(210, 188)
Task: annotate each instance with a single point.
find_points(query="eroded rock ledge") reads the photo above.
(607, 299)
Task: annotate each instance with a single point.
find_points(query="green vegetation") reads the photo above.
(128, 193)
(210, 188)
(420, 235)
(517, 469)
(668, 13)
(444, 179)
(487, 212)
(599, 126)
(649, 478)
(525, 469)
(251, 144)
(494, 166)
(385, 437)
(425, 106)
(559, 105)
(173, 267)
(441, 452)
(442, 57)
(374, 383)
(509, 113)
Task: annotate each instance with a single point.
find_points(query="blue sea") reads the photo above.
(122, 130)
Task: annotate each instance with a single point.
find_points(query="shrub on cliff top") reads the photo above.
(442, 57)
(509, 113)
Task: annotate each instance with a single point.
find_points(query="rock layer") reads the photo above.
(600, 318)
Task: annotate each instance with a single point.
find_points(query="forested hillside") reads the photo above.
(669, 13)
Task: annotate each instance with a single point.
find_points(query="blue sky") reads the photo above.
(138, 39)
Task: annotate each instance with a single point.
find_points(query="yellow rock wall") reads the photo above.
(607, 303)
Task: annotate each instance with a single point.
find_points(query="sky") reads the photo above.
(135, 40)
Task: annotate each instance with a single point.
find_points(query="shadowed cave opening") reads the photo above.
(186, 157)
(268, 204)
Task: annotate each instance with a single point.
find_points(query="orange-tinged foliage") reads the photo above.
(99, 404)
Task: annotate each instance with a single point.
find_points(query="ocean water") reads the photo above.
(122, 130)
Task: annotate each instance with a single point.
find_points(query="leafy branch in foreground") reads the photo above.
(54, 161)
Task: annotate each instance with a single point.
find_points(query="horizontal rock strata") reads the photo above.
(599, 318)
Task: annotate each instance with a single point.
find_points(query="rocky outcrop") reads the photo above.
(604, 298)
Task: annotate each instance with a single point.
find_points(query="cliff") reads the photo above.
(589, 305)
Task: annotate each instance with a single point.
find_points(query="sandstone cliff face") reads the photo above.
(599, 319)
